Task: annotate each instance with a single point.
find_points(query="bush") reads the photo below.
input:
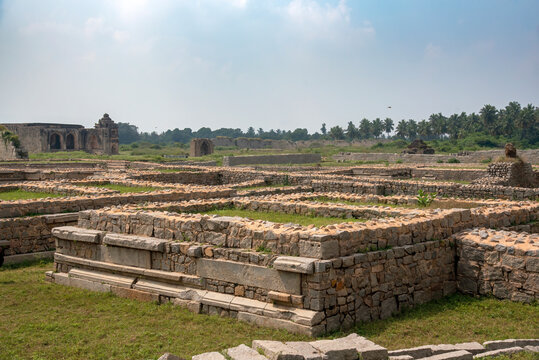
(399, 161)
(453, 161)
(486, 161)
(440, 161)
(425, 199)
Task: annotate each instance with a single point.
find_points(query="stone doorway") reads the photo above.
(70, 142)
(54, 142)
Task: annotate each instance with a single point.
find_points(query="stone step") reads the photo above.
(78, 234)
(135, 242)
(102, 277)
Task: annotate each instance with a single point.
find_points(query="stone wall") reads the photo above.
(500, 263)
(272, 159)
(531, 156)
(8, 151)
(199, 177)
(33, 234)
(255, 143)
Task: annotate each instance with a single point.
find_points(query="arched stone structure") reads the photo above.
(70, 142)
(55, 142)
(43, 137)
(201, 147)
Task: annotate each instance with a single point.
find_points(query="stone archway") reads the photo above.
(70, 142)
(55, 142)
(204, 148)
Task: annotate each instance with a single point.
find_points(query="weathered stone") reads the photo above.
(276, 350)
(498, 352)
(135, 242)
(337, 349)
(306, 350)
(453, 355)
(294, 264)
(250, 275)
(243, 352)
(209, 356)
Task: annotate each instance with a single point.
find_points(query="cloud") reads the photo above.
(97, 26)
(47, 27)
(240, 4)
(310, 11)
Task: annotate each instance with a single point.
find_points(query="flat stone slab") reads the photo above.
(367, 349)
(209, 356)
(501, 344)
(415, 352)
(102, 277)
(159, 288)
(531, 348)
(453, 355)
(505, 351)
(337, 349)
(243, 352)
(135, 242)
(294, 264)
(74, 233)
(306, 350)
(401, 357)
(250, 275)
(276, 350)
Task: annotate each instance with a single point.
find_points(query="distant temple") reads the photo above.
(44, 137)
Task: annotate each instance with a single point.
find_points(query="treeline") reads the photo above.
(512, 122)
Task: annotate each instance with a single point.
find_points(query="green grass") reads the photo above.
(24, 195)
(39, 320)
(125, 189)
(278, 217)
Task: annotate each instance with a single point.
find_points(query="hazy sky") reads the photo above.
(163, 64)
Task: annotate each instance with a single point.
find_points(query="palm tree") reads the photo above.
(489, 117)
(388, 126)
(377, 127)
(423, 129)
(402, 129)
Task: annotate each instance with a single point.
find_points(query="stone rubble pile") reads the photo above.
(354, 347)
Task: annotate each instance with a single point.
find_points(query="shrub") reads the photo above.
(440, 161)
(399, 161)
(486, 161)
(424, 199)
(453, 161)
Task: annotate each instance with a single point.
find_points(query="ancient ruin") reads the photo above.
(383, 254)
(418, 146)
(45, 137)
(200, 147)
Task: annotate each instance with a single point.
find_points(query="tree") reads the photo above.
(365, 128)
(336, 133)
(250, 132)
(323, 129)
(411, 129)
(377, 127)
(527, 121)
(127, 133)
(351, 131)
(402, 129)
(388, 126)
(423, 129)
(489, 118)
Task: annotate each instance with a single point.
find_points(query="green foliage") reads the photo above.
(25, 195)
(124, 188)
(453, 161)
(399, 161)
(486, 161)
(263, 249)
(440, 161)
(425, 199)
(282, 218)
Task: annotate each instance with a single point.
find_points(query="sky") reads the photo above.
(270, 64)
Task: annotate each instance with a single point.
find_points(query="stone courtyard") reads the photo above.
(156, 240)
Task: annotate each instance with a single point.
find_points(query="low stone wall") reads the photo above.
(198, 177)
(33, 234)
(8, 175)
(500, 263)
(272, 159)
(72, 204)
(531, 156)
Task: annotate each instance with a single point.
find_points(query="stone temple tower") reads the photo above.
(108, 134)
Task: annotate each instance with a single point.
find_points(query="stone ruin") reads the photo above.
(48, 137)
(200, 147)
(510, 170)
(418, 146)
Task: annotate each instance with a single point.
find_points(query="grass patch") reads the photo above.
(454, 319)
(47, 321)
(124, 188)
(278, 217)
(25, 195)
(445, 204)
